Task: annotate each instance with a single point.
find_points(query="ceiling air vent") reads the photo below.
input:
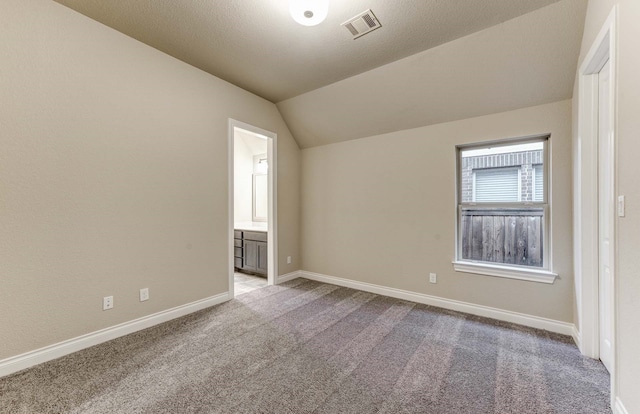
(362, 24)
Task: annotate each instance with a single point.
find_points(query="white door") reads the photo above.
(605, 215)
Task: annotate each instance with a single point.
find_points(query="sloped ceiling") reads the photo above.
(527, 61)
(317, 73)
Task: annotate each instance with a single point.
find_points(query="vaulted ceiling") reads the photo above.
(432, 61)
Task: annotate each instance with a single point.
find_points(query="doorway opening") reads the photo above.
(252, 207)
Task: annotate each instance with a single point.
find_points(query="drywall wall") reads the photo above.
(113, 177)
(382, 210)
(628, 171)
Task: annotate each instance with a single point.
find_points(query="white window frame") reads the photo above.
(542, 274)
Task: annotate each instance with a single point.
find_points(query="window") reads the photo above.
(503, 209)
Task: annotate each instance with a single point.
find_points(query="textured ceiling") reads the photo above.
(432, 61)
(526, 61)
(257, 46)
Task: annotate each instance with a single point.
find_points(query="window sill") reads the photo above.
(531, 275)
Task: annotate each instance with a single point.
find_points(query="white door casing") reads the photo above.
(597, 310)
(605, 216)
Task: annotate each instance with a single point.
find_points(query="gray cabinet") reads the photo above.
(250, 258)
(250, 252)
(262, 258)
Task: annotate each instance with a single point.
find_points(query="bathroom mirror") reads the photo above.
(260, 197)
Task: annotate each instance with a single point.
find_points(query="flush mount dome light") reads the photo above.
(309, 12)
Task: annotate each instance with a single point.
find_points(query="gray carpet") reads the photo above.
(305, 347)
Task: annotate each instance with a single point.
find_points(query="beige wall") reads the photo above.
(113, 177)
(628, 171)
(382, 210)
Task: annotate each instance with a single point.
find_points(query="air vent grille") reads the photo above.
(369, 20)
(362, 24)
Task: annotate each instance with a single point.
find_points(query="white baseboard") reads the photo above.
(551, 325)
(287, 277)
(48, 353)
(577, 338)
(619, 407)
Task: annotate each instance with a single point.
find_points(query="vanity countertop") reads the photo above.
(251, 226)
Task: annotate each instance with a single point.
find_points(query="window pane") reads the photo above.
(502, 174)
(511, 236)
(497, 185)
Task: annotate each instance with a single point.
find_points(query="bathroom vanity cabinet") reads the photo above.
(250, 252)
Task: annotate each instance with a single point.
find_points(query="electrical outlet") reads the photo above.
(433, 278)
(288, 259)
(144, 294)
(107, 303)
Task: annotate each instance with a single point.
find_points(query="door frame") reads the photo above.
(586, 198)
(272, 226)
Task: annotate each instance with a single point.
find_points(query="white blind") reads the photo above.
(538, 183)
(496, 185)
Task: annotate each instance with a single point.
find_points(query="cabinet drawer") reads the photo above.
(237, 262)
(255, 235)
(237, 242)
(237, 251)
(237, 234)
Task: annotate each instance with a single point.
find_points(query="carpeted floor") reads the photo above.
(305, 347)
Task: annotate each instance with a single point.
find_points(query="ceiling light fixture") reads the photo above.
(309, 12)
